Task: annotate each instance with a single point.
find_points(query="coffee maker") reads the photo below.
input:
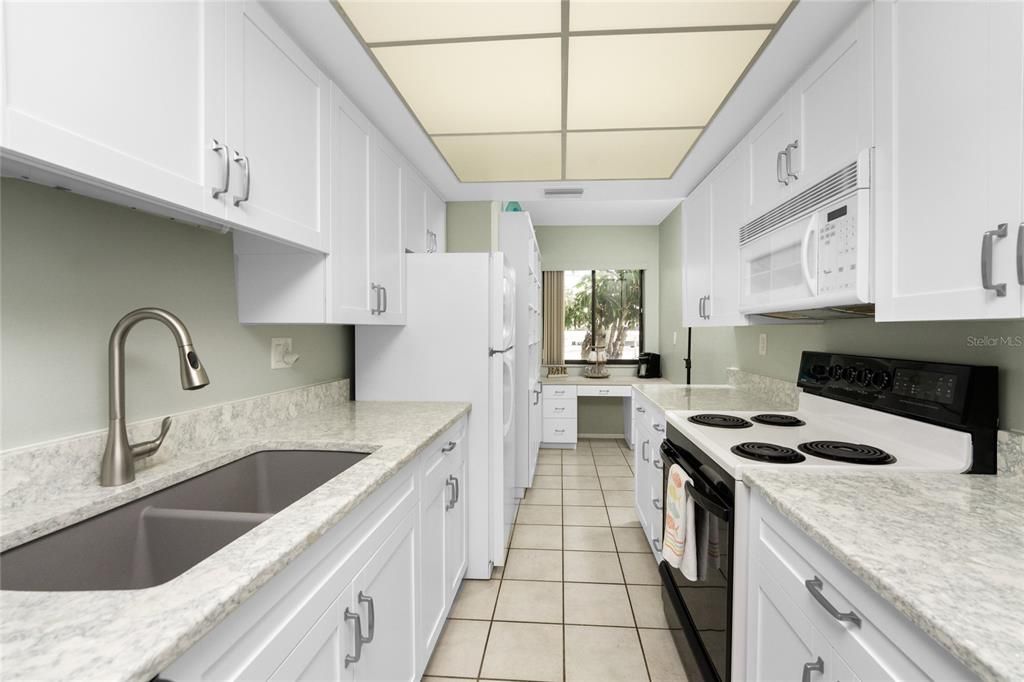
(649, 366)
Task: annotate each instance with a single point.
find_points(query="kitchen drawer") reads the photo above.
(559, 391)
(559, 409)
(648, 414)
(559, 431)
(605, 391)
(885, 645)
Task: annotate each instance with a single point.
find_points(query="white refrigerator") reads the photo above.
(458, 344)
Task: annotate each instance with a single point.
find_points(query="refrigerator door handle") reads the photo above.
(494, 351)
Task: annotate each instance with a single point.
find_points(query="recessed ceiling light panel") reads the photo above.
(633, 154)
(496, 158)
(603, 15)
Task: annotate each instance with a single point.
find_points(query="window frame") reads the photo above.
(593, 316)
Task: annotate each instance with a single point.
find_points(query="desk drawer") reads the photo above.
(605, 391)
(559, 391)
(559, 409)
(559, 431)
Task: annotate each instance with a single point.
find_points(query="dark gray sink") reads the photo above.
(158, 537)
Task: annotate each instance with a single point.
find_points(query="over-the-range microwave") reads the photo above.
(810, 258)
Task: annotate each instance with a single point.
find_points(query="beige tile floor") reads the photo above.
(579, 599)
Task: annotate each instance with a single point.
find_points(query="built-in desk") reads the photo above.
(560, 407)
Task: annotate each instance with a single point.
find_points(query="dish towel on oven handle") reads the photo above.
(679, 546)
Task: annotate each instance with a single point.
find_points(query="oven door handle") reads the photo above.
(707, 503)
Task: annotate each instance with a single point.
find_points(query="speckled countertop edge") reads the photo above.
(968, 531)
(133, 635)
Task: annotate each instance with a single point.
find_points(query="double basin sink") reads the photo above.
(158, 537)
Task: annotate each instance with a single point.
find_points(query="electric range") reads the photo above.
(855, 413)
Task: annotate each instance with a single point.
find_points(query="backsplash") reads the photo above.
(41, 469)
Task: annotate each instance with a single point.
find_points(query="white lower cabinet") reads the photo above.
(364, 602)
(809, 618)
(649, 432)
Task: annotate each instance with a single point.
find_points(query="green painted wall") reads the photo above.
(472, 226)
(70, 267)
(633, 247)
(717, 348)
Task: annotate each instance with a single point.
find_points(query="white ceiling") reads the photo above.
(319, 27)
(583, 212)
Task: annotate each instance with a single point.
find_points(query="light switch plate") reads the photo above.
(279, 347)
(762, 344)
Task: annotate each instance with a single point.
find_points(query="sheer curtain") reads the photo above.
(554, 318)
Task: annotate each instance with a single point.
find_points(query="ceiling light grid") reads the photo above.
(516, 90)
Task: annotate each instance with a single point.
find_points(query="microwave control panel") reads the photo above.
(837, 249)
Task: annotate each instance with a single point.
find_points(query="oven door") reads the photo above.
(699, 612)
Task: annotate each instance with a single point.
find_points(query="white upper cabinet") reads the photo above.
(819, 125)
(949, 160)
(387, 251)
(114, 92)
(278, 106)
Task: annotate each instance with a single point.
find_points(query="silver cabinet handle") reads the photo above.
(779, 161)
(371, 615)
(458, 490)
(559, 430)
(448, 448)
(659, 464)
(376, 305)
(536, 397)
(641, 410)
(1020, 254)
(814, 586)
(659, 428)
(223, 150)
(817, 667)
(657, 503)
(643, 451)
(657, 543)
(451, 498)
(243, 161)
(559, 409)
(795, 144)
(603, 391)
(360, 640)
(986, 259)
(385, 290)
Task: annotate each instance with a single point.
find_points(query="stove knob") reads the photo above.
(835, 372)
(850, 374)
(865, 376)
(881, 380)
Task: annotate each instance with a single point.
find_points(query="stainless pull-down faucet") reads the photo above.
(118, 466)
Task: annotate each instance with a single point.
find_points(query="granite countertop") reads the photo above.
(946, 550)
(134, 634)
(708, 397)
(613, 380)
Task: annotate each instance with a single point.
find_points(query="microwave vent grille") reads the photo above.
(834, 186)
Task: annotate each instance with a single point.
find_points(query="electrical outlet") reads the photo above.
(281, 355)
(674, 337)
(762, 344)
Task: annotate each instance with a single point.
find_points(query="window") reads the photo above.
(604, 307)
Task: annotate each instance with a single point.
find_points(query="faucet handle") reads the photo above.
(149, 447)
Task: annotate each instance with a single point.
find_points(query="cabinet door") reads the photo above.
(782, 640)
(655, 494)
(456, 526)
(729, 186)
(388, 253)
(414, 212)
(433, 587)
(349, 260)
(642, 484)
(697, 255)
(951, 131)
(320, 655)
(278, 106)
(437, 215)
(385, 598)
(769, 185)
(833, 106)
(127, 93)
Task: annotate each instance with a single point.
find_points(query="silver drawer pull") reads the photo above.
(603, 390)
(360, 641)
(986, 260)
(814, 586)
(225, 170)
(641, 410)
(657, 503)
(243, 161)
(371, 616)
(451, 497)
(643, 451)
(817, 667)
(559, 409)
(659, 428)
(659, 464)
(657, 543)
(448, 448)
(559, 430)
